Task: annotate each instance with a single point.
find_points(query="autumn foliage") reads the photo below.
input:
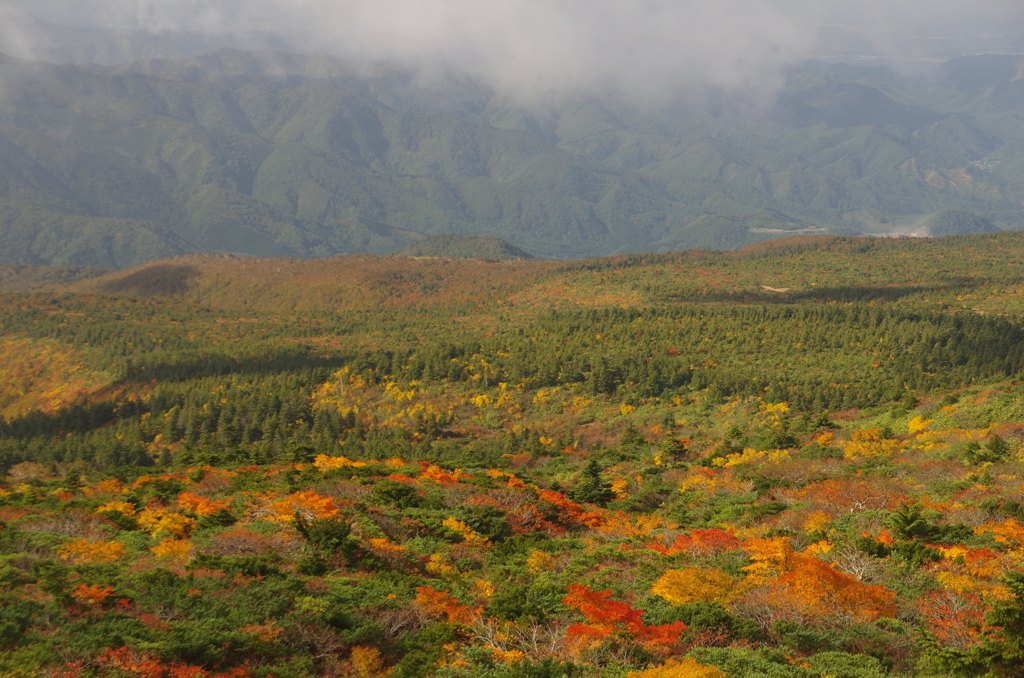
(440, 603)
(649, 466)
(610, 618)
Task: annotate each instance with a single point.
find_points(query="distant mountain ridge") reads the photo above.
(272, 154)
(33, 277)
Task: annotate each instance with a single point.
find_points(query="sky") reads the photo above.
(635, 47)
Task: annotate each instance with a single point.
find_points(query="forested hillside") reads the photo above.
(804, 458)
(270, 154)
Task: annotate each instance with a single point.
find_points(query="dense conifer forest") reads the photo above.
(804, 458)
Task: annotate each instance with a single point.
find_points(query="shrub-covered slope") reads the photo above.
(800, 459)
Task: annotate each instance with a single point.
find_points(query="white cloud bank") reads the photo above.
(537, 46)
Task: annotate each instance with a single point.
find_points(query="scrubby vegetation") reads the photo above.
(803, 459)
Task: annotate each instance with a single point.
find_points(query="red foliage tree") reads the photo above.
(606, 617)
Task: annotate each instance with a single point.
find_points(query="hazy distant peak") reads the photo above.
(974, 72)
(953, 222)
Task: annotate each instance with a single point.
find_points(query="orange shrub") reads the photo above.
(804, 588)
(708, 542)
(306, 503)
(92, 595)
(440, 603)
(200, 505)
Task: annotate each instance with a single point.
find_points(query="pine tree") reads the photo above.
(591, 488)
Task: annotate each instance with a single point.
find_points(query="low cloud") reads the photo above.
(638, 47)
(535, 47)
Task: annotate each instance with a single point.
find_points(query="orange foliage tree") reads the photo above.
(92, 594)
(200, 505)
(441, 603)
(569, 511)
(955, 620)
(791, 585)
(305, 503)
(708, 542)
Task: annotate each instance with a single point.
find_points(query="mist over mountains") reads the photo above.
(525, 44)
(254, 150)
(267, 153)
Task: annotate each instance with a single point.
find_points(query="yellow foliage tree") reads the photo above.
(122, 507)
(687, 667)
(869, 444)
(112, 486)
(178, 550)
(918, 424)
(693, 585)
(817, 521)
(622, 525)
(538, 561)
(1009, 532)
(769, 557)
(384, 546)
(88, 552)
(466, 532)
(156, 521)
(749, 456)
(325, 463)
(365, 660)
(484, 588)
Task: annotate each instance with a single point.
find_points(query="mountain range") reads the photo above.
(273, 154)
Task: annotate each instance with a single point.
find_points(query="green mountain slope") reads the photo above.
(467, 247)
(954, 222)
(271, 154)
(720, 232)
